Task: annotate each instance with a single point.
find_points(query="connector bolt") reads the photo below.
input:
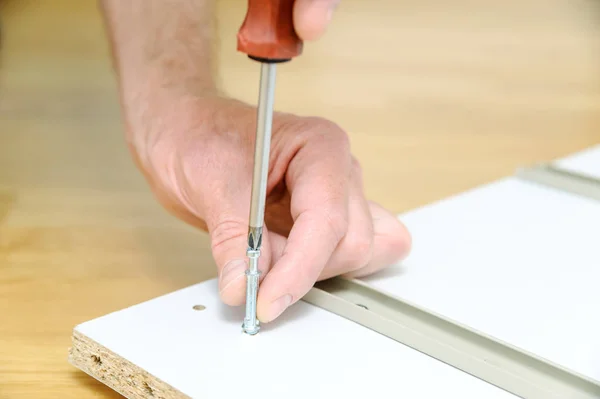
(251, 324)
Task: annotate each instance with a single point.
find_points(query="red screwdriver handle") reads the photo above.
(267, 33)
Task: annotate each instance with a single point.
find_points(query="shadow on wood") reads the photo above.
(93, 386)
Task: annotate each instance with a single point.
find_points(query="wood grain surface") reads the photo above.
(437, 97)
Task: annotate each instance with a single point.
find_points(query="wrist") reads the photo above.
(171, 73)
(154, 84)
(155, 113)
(159, 45)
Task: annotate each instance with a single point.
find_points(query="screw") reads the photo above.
(251, 324)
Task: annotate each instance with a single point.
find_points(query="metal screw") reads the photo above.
(251, 324)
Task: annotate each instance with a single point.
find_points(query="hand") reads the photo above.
(311, 17)
(197, 154)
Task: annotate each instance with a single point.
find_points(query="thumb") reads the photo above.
(311, 17)
(229, 241)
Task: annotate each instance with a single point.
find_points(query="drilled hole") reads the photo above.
(199, 307)
(148, 389)
(97, 360)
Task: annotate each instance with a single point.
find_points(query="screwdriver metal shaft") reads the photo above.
(262, 148)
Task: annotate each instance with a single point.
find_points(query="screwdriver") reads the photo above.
(267, 36)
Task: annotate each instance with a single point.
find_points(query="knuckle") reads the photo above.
(225, 231)
(337, 135)
(357, 169)
(323, 129)
(337, 221)
(320, 122)
(359, 246)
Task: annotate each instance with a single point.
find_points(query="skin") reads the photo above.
(195, 147)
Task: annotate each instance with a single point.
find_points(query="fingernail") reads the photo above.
(278, 306)
(232, 271)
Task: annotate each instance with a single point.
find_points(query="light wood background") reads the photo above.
(437, 96)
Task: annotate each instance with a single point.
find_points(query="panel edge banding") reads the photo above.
(481, 356)
(116, 372)
(561, 179)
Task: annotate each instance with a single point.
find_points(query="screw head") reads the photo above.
(251, 329)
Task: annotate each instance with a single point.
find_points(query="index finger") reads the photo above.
(318, 179)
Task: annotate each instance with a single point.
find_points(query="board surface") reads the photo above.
(308, 353)
(586, 162)
(512, 259)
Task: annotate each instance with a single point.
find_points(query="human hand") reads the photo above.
(197, 155)
(311, 17)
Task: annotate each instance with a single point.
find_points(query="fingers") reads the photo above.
(308, 248)
(229, 240)
(391, 242)
(318, 178)
(355, 250)
(311, 17)
(363, 251)
(375, 238)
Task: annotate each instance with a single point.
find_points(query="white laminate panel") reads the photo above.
(308, 353)
(586, 162)
(514, 260)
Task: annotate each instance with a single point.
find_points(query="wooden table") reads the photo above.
(436, 98)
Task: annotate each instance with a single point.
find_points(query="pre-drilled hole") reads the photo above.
(97, 360)
(148, 389)
(199, 307)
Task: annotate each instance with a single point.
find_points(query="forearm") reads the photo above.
(161, 44)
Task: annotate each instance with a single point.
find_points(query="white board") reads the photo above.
(514, 260)
(308, 353)
(586, 162)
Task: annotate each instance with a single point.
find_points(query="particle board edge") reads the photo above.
(117, 372)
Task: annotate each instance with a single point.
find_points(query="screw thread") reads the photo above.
(251, 324)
